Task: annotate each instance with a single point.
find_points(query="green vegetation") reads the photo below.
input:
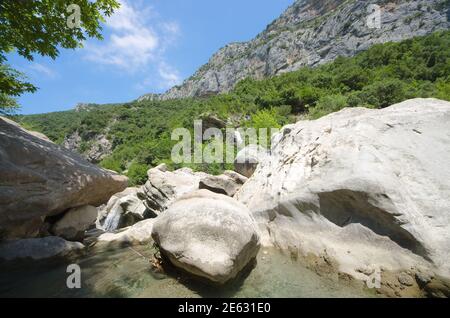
(382, 76)
(40, 27)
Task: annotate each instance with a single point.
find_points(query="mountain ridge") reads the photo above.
(310, 33)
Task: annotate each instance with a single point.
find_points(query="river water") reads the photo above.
(126, 273)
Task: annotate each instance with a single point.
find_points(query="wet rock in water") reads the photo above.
(138, 234)
(39, 179)
(208, 235)
(75, 222)
(38, 248)
(228, 183)
(248, 159)
(375, 182)
(423, 278)
(438, 289)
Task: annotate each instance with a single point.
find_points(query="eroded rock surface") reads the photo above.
(369, 187)
(164, 187)
(40, 179)
(227, 183)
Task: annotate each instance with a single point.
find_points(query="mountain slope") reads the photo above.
(309, 33)
(129, 138)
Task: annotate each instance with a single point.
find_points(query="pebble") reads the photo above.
(405, 279)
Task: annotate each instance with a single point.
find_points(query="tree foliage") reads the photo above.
(32, 27)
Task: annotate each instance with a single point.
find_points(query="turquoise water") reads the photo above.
(125, 273)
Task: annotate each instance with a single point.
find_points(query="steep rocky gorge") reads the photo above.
(310, 33)
(359, 192)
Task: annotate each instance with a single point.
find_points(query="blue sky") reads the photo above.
(149, 46)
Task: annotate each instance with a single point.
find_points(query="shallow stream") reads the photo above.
(127, 273)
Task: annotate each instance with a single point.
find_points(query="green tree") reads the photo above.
(40, 27)
(137, 173)
(328, 104)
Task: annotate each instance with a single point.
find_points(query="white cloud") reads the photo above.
(132, 43)
(171, 28)
(169, 76)
(166, 78)
(42, 70)
(136, 42)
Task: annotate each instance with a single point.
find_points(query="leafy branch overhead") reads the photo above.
(31, 27)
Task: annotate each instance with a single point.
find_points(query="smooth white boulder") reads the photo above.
(138, 234)
(209, 235)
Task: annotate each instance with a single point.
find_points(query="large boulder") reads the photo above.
(164, 187)
(247, 159)
(371, 187)
(228, 183)
(75, 222)
(38, 248)
(40, 179)
(209, 235)
(123, 209)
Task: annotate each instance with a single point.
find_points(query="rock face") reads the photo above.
(39, 179)
(75, 222)
(37, 249)
(98, 148)
(164, 186)
(309, 33)
(138, 234)
(123, 209)
(371, 187)
(208, 235)
(228, 183)
(248, 158)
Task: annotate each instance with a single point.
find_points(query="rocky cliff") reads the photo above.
(360, 185)
(309, 33)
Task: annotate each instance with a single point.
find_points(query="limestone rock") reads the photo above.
(248, 158)
(373, 182)
(99, 146)
(208, 235)
(39, 179)
(138, 234)
(405, 279)
(228, 183)
(75, 222)
(164, 186)
(38, 248)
